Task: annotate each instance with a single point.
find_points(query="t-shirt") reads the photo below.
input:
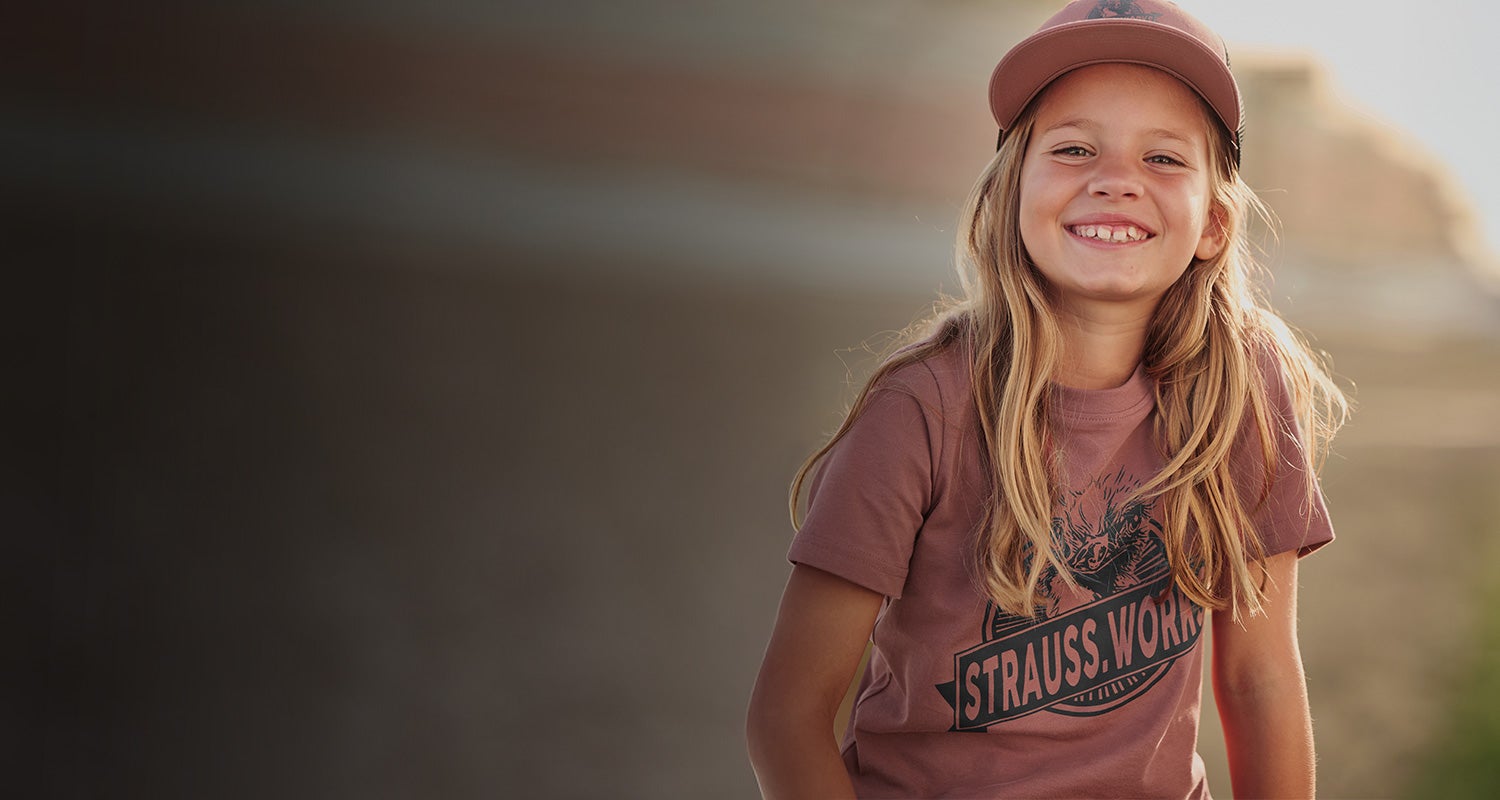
(1098, 696)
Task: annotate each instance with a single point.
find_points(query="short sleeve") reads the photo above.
(870, 494)
(1294, 515)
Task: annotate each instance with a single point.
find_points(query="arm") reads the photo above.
(819, 637)
(1261, 693)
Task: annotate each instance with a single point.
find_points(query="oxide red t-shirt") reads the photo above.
(1099, 697)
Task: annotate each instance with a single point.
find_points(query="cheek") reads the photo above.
(1194, 207)
(1037, 243)
(1032, 211)
(1207, 240)
(1027, 224)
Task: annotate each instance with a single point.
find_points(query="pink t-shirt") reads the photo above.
(1097, 698)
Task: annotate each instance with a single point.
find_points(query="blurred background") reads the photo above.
(403, 396)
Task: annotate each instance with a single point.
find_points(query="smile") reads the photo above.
(1110, 233)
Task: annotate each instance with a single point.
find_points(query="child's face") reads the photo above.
(1115, 186)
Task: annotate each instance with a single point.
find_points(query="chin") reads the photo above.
(1123, 291)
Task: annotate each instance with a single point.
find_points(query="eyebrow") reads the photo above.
(1092, 125)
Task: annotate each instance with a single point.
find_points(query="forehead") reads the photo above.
(1123, 95)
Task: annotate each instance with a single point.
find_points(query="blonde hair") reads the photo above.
(1203, 348)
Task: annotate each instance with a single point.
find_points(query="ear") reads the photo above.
(1215, 233)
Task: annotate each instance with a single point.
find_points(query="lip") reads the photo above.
(1110, 219)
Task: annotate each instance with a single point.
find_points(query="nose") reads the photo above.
(1115, 176)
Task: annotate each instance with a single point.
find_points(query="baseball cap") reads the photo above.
(1153, 33)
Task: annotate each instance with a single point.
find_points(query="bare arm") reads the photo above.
(819, 638)
(1261, 693)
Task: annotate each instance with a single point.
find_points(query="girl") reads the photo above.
(1034, 510)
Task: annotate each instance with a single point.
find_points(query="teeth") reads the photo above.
(1111, 233)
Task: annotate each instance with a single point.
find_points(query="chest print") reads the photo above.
(1092, 650)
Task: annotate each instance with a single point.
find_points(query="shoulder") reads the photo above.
(916, 407)
(1269, 362)
(1270, 419)
(1281, 382)
(938, 380)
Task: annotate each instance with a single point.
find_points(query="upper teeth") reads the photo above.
(1110, 233)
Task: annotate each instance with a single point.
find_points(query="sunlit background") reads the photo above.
(405, 394)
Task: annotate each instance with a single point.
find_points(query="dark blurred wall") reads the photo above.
(379, 436)
(349, 527)
(406, 394)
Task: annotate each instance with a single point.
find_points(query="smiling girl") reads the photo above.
(1035, 509)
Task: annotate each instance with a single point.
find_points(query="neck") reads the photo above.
(1101, 346)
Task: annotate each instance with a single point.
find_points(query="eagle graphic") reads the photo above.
(1115, 547)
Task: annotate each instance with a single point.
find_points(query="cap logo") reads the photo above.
(1127, 9)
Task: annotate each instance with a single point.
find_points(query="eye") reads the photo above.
(1072, 151)
(1161, 158)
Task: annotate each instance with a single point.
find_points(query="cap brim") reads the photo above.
(1044, 57)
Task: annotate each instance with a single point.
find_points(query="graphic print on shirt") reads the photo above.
(1093, 649)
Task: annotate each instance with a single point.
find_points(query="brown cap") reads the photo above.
(1153, 33)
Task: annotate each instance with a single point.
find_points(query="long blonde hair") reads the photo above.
(1202, 350)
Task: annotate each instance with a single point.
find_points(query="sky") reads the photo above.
(1429, 68)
